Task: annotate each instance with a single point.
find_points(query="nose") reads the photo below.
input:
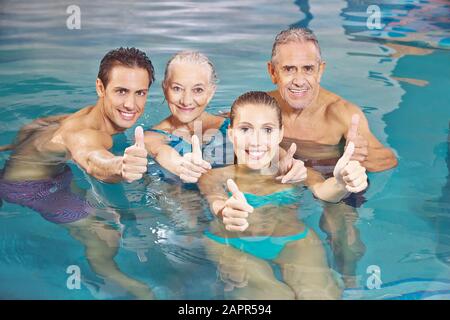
(130, 102)
(298, 80)
(256, 138)
(187, 99)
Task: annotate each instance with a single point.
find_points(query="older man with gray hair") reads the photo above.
(317, 122)
(313, 114)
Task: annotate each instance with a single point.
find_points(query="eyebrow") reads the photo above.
(195, 85)
(264, 124)
(128, 90)
(121, 88)
(301, 65)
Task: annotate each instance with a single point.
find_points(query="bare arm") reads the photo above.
(165, 155)
(348, 176)
(188, 167)
(89, 149)
(377, 157)
(329, 190)
(211, 185)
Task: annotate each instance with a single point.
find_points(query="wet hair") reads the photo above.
(127, 57)
(257, 98)
(295, 35)
(192, 57)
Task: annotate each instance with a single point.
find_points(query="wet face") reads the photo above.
(296, 71)
(255, 135)
(188, 90)
(125, 95)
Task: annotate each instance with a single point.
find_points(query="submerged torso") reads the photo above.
(277, 215)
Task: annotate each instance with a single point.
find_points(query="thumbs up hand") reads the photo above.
(134, 160)
(350, 173)
(292, 170)
(236, 209)
(361, 144)
(192, 165)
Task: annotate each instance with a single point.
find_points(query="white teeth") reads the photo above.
(127, 115)
(256, 153)
(297, 91)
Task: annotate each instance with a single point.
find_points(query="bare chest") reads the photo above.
(315, 129)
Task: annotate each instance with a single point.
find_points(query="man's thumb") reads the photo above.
(342, 162)
(292, 150)
(139, 137)
(353, 131)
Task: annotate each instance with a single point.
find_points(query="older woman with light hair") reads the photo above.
(190, 141)
(189, 85)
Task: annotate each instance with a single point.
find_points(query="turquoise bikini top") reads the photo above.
(211, 148)
(282, 198)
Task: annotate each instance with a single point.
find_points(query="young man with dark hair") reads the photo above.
(40, 151)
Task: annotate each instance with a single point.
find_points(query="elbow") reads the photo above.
(393, 162)
(389, 162)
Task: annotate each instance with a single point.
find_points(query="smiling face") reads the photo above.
(188, 90)
(255, 135)
(125, 96)
(297, 71)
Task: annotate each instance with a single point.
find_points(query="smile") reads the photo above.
(127, 116)
(255, 154)
(186, 109)
(298, 92)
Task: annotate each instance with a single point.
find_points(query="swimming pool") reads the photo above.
(398, 75)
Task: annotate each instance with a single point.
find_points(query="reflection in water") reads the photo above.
(305, 9)
(438, 212)
(415, 23)
(168, 239)
(413, 67)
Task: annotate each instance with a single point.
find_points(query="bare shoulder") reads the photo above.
(154, 139)
(163, 125)
(75, 131)
(39, 127)
(44, 122)
(214, 121)
(76, 121)
(338, 109)
(276, 95)
(273, 93)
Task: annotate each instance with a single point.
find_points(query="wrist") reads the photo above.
(218, 207)
(119, 166)
(340, 185)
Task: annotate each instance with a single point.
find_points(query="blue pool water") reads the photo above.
(398, 74)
